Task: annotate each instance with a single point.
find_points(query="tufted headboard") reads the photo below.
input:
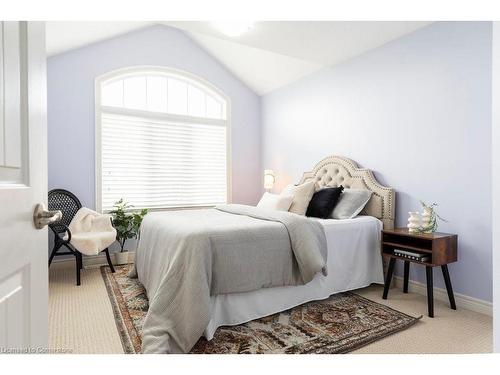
(336, 170)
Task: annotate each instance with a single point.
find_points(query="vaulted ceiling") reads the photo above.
(270, 55)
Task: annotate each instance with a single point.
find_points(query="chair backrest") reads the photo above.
(67, 202)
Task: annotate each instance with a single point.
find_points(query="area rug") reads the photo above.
(340, 324)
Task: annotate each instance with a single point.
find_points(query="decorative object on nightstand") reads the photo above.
(269, 179)
(413, 222)
(428, 249)
(429, 218)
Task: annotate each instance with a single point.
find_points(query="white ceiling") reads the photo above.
(272, 54)
(62, 36)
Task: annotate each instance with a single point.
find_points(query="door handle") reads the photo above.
(43, 217)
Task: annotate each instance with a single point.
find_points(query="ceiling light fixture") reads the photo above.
(233, 28)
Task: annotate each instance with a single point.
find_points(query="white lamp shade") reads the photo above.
(268, 179)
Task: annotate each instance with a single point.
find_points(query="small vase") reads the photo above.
(426, 219)
(414, 222)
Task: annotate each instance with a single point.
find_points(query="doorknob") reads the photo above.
(43, 217)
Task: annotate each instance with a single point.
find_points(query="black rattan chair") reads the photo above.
(68, 204)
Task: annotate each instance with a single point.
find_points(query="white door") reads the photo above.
(23, 184)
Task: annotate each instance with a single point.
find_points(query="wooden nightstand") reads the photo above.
(439, 248)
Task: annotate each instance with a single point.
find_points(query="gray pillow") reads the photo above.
(350, 203)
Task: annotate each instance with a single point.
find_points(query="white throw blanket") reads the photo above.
(91, 232)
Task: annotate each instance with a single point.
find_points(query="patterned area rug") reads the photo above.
(339, 324)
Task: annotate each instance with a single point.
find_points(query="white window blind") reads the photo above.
(159, 150)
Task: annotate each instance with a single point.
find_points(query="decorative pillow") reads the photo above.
(350, 203)
(323, 202)
(302, 195)
(275, 202)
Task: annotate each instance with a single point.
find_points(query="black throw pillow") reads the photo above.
(323, 202)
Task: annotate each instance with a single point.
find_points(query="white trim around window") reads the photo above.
(157, 118)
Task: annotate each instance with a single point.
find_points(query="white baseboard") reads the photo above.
(461, 300)
(94, 261)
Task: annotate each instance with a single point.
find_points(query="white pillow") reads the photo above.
(351, 203)
(275, 202)
(302, 195)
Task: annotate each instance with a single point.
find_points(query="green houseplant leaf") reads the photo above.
(126, 221)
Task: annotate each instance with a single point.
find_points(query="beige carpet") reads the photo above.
(450, 331)
(81, 318)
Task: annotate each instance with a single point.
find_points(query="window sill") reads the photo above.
(176, 208)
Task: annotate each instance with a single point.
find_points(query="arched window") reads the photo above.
(161, 140)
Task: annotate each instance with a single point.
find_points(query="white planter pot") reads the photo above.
(121, 257)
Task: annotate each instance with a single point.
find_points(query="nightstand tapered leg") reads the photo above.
(388, 277)
(407, 275)
(449, 289)
(430, 291)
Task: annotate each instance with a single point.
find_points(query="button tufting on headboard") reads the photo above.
(336, 170)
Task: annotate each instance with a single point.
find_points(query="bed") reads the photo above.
(232, 264)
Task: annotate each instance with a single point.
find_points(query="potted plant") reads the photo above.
(127, 224)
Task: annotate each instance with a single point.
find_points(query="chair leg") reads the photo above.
(79, 262)
(53, 253)
(109, 261)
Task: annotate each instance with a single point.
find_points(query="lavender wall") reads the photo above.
(416, 111)
(496, 183)
(71, 103)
